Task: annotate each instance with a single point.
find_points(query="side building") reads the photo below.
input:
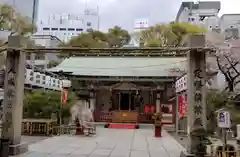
(203, 13)
(206, 14)
(230, 25)
(42, 60)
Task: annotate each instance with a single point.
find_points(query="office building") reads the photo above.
(66, 26)
(63, 26)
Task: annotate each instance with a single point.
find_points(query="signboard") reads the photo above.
(141, 23)
(224, 120)
(182, 105)
(64, 96)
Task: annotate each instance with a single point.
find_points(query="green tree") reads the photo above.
(115, 37)
(171, 34)
(16, 25)
(88, 40)
(42, 104)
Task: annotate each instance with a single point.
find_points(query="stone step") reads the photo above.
(169, 127)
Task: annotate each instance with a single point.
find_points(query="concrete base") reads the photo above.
(186, 154)
(18, 149)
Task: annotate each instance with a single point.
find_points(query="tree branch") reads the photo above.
(222, 70)
(233, 66)
(237, 82)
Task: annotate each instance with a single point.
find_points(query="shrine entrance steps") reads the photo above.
(122, 126)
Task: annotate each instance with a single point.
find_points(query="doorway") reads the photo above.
(124, 101)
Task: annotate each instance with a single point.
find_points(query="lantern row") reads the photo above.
(44, 80)
(181, 84)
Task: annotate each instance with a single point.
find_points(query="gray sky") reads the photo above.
(124, 12)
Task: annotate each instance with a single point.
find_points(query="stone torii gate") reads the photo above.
(14, 83)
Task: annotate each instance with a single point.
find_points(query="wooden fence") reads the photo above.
(38, 126)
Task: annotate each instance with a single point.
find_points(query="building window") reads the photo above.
(89, 24)
(46, 29)
(54, 29)
(63, 29)
(28, 57)
(71, 29)
(40, 57)
(79, 29)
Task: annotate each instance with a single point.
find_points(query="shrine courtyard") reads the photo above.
(108, 143)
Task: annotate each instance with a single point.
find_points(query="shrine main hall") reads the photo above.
(123, 83)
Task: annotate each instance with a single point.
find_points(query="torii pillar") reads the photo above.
(196, 93)
(13, 95)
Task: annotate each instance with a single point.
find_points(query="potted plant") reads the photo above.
(157, 117)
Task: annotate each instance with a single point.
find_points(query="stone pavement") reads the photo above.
(108, 143)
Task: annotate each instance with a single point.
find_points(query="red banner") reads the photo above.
(64, 96)
(182, 105)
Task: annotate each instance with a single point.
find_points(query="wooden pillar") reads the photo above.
(119, 101)
(92, 98)
(177, 114)
(13, 95)
(196, 94)
(158, 98)
(129, 100)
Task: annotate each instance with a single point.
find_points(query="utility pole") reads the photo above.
(98, 19)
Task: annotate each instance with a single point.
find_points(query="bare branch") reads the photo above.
(233, 66)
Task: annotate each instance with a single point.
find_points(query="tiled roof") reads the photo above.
(122, 66)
